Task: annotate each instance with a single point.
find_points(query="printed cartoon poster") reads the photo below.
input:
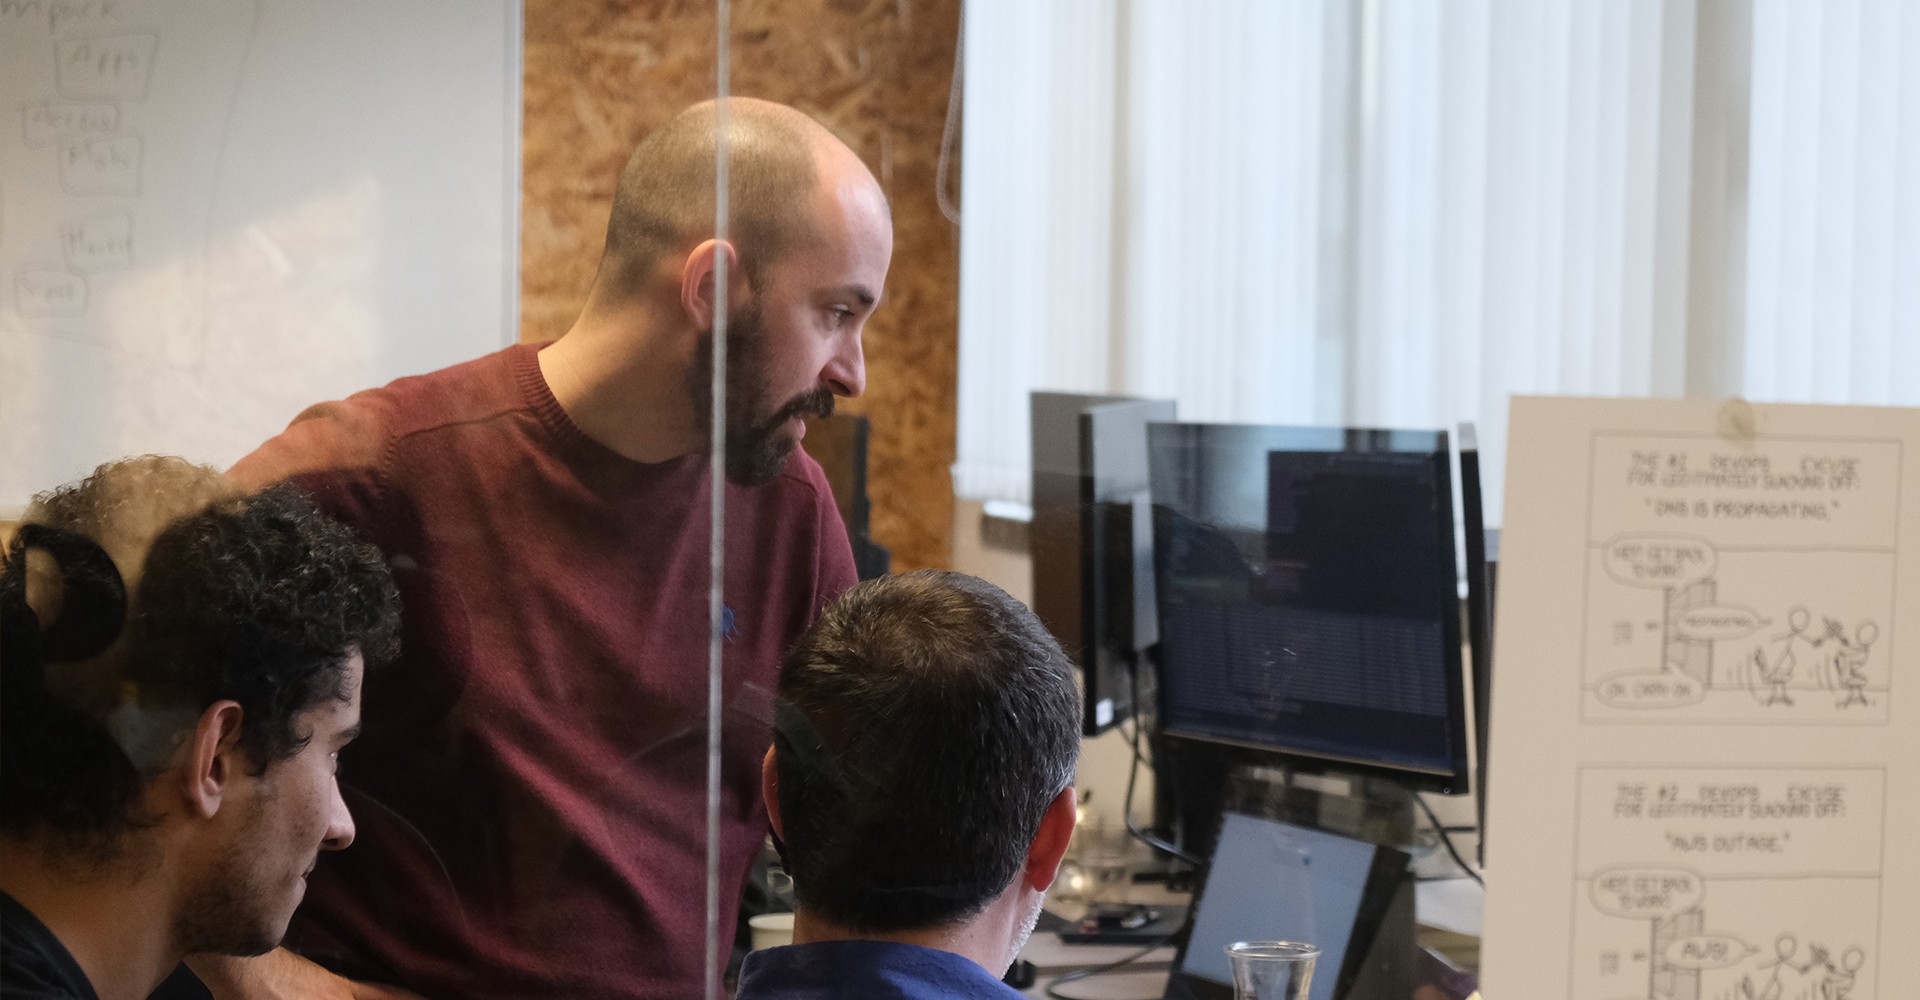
(1700, 768)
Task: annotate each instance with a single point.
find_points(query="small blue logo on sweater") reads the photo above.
(726, 622)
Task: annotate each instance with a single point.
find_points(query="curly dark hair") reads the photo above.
(262, 599)
(925, 723)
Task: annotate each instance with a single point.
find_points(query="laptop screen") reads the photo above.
(1272, 881)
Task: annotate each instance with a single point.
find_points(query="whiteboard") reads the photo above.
(214, 213)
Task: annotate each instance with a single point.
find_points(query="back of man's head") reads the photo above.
(925, 724)
(259, 599)
(664, 202)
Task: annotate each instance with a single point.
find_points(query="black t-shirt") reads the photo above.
(33, 963)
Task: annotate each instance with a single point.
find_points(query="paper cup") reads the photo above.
(771, 930)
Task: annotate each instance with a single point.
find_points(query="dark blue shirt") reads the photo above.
(867, 970)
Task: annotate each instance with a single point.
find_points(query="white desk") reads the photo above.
(1143, 979)
(1135, 984)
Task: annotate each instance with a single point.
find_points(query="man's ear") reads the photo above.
(770, 791)
(1050, 843)
(212, 757)
(697, 279)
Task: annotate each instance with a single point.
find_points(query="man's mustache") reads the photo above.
(818, 403)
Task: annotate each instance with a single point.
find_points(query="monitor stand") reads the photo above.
(1194, 782)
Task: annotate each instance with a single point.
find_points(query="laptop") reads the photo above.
(1274, 881)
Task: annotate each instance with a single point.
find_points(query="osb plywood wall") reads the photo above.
(600, 74)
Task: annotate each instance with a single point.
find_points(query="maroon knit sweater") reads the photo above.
(530, 789)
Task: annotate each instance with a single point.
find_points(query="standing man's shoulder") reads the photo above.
(834, 568)
(356, 435)
(805, 481)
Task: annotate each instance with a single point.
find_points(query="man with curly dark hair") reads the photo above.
(181, 666)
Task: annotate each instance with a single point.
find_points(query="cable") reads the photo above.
(1133, 773)
(1126, 812)
(1446, 840)
(942, 171)
(1100, 970)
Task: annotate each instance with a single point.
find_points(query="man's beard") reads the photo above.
(226, 914)
(1027, 924)
(756, 450)
(222, 917)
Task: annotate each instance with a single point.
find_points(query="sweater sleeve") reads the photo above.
(345, 434)
(337, 452)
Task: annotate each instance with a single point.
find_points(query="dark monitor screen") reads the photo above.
(1090, 540)
(1308, 596)
(839, 444)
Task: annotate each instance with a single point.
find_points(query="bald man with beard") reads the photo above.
(531, 784)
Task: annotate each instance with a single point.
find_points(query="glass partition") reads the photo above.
(841, 314)
(454, 275)
(631, 335)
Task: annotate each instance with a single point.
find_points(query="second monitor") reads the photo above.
(1091, 540)
(1308, 604)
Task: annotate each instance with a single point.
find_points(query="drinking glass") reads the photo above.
(1106, 858)
(1271, 970)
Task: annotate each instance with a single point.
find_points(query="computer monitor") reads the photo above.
(1091, 540)
(1479, 618)
(1308, 597)
(839, 444)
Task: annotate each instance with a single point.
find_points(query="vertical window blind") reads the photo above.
(1401, 213)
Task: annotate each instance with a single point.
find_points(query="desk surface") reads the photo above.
(1139, 984)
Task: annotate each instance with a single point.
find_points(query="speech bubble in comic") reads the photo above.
(1720, 621)
(1707, 951)
(1638, 893)
(1650, 690)
(1660, 561)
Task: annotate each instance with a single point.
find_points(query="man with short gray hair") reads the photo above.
(921, 787)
